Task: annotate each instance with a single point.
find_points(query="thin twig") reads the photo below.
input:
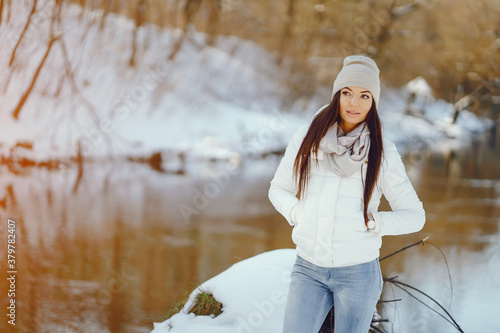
(448, 270)
(391, 278)
(390, 300)
(454, 323)
(404, 248)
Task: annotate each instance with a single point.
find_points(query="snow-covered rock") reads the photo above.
(253, 293)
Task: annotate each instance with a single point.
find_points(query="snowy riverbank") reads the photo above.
(224, 101)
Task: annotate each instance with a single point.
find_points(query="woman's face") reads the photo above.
(355, 103)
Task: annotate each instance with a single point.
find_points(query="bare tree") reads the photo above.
(287, 31)
(313, 34)
(9, 6)
(190, 8)
(139, 20)
(395, 13)
(55, 19)
(213, 20)
(107, 8)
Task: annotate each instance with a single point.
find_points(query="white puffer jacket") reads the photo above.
(329, 228)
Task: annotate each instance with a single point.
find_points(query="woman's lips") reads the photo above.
(352, 113)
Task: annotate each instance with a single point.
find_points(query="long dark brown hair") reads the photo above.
(317, 130)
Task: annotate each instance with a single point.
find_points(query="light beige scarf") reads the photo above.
(346, 153)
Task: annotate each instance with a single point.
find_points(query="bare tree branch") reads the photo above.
(79, 160)
(33, 10)
(422, 241)
(1, 11)
(71, 76)
(26, 94)
(105, 12)
(177, 46)
(9, 6)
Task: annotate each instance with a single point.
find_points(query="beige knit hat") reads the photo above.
(359, 71)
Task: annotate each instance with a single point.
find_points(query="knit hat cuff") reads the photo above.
(359, 71)
(359, 79)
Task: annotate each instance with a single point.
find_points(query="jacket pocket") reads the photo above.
(293, 214)
(307, 220)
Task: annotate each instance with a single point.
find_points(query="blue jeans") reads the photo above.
(353, 290)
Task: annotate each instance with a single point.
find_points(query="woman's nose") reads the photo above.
(354, 100)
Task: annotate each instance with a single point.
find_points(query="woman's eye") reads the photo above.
(345, 92)
(365, 96)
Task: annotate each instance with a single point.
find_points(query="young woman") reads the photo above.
(328, 187)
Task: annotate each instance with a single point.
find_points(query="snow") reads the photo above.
(419, 86)
(424, 122)
(220, 102)
(225, 101)
(253, 293)
(228, 92)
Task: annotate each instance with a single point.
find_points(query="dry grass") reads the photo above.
(205, 305)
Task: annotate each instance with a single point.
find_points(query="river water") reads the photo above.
(112, 251)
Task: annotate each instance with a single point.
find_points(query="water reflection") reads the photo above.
(114, 252)
(461, 194)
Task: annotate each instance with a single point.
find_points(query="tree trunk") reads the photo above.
(213, 20)
(287, 32)
(190, 8)
(141, 8)
(9, 6)
(106, 11)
